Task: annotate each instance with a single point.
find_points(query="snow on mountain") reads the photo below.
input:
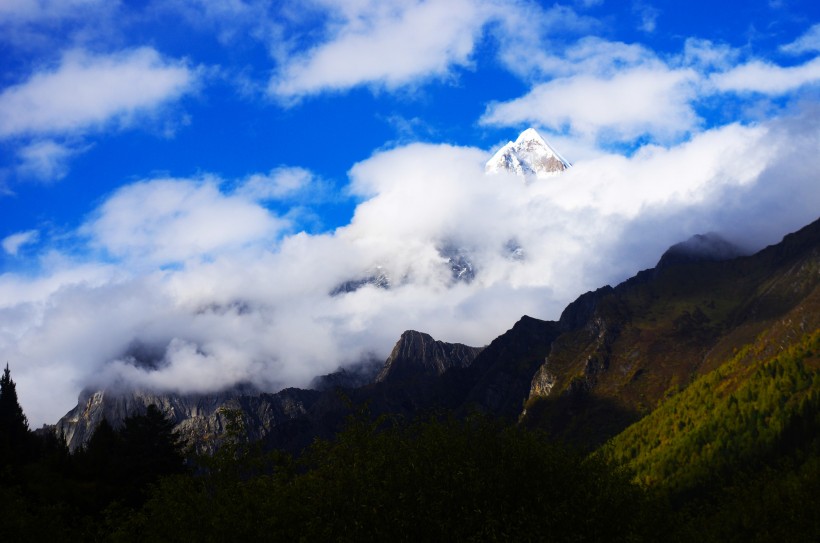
(528, 156)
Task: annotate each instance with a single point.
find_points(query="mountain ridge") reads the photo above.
(613, 354)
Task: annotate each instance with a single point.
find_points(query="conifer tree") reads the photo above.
(14, 434)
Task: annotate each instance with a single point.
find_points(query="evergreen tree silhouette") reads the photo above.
(14, 432)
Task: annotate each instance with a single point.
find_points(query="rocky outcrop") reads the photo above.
(543, 381)
(417, 354)
(199, 419)
(502, 374)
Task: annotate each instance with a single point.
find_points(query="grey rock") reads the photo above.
(417, 354)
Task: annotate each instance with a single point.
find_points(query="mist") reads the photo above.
(194, 285)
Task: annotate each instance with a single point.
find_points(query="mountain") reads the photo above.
(614, 355)
(417, 354)
(627, 348)
(198, 418)
(378, 279)
(352, 376)
(528, 156)
(700, 248)
(612, 358)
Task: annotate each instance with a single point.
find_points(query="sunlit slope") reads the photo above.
(628, 348)
(760, 406)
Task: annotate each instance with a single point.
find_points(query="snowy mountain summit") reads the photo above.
(528, 156)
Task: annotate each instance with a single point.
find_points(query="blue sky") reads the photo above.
(197, 175)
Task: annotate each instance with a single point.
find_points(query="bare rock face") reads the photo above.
(418, 354)
(543, 381)
(199, 419)
(502, 374)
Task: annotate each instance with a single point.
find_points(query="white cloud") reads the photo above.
(231, 20)
(13, 243)
(766, 78)
(285, 183)
(588, 56)
(87, 91)
(527, 48)
(21, 11)
(648, 16)
(242, 308)
(652, 100)
(706, 55)
(389, 44)
(45, 160)
(807, 43)
(166, 221)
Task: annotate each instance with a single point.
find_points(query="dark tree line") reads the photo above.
(435, 479)
(46, 491)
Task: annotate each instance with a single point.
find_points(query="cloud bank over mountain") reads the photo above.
(202, 274)
(197, 194)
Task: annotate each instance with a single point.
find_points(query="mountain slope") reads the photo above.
(611, 359)
(198, 419)
(744, 410)
(628, 347)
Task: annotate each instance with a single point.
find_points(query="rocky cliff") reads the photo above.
(199, 419)
(418, 354)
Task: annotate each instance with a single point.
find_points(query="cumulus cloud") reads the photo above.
(807, 43)
(525, 34)
(400, 43)
(13, 243)
(250, 303)
(87, 91)
(286, 183)
(766, 78)
(166, 221)
(22, 11)
(706, 55)
(599, 92)
(388, 44)
(646, 100)
(45, 160)
(590, 55)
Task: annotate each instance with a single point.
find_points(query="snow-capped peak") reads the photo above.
(529, 155)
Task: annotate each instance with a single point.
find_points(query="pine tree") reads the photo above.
(14, 432)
